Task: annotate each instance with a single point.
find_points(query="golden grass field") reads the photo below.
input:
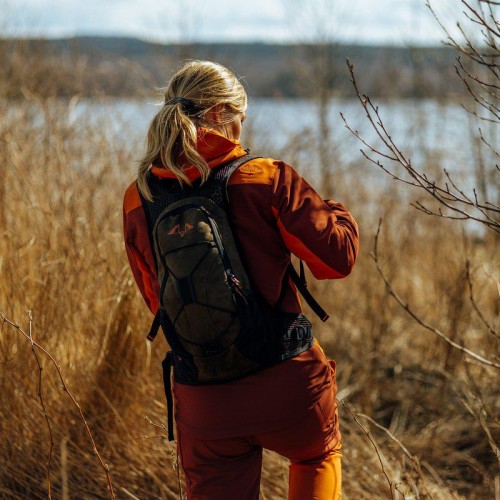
(431, 412)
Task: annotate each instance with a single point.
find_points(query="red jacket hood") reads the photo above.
(214, 147)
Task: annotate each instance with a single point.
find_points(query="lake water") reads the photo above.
(435, 135)
(420, 127)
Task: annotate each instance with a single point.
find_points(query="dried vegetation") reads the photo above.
(419, 413)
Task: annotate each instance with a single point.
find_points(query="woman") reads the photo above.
(288, 406)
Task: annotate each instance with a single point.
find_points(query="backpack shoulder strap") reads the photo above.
(235, 165)
(299, 281)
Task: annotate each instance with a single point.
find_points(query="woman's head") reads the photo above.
(200, 94)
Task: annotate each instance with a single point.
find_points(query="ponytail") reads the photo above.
(172, 135)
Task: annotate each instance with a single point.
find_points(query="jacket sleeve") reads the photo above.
(321, 233)
(139, 252)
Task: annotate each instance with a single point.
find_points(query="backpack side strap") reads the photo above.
(155, 326)
(166, 368)
(301, 284)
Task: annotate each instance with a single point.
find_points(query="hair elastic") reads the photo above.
(187, 104)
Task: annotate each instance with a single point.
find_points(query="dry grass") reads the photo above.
(62, 258)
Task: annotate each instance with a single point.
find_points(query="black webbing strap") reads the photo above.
(155, 326)
(301, 284)
(167, 365)
(218, 241)
(302, 273)
(236, 164)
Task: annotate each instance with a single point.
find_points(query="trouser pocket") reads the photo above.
(327, 402)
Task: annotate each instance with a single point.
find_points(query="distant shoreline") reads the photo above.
(130, 67)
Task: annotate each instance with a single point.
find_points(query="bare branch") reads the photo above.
(494, 150)
(475, 77)
(475, 405)
(36, 345)
(175, 459)
(409, 310)
(459, 205)
(42, 403)
(479, 19)
(474, 303)
(492, 109)
(390, 434)
(374, 444)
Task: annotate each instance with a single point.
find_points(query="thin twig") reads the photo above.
(376, 448)
(390, 434)
(48, 463)
(175, 460)
(474, 303)
(36, 345)
(475, 398)
(459, 204)
(407, 308)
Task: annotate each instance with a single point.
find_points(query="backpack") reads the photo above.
(218, 327)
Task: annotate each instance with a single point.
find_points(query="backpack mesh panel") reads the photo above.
(168, 191)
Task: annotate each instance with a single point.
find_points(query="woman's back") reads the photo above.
(289, 406)
(274, 212)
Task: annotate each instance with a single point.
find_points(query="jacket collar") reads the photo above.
(213, 146)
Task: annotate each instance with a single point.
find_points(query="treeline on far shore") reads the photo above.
(128, 67)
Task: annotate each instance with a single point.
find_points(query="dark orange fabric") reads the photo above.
(131, 200)
(262, 402)
(230, 467)
(138, 248)
(315, 264)
(322, 233)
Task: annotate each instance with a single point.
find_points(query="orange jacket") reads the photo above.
(274, 212)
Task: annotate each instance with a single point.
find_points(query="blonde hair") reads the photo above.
(195, 89)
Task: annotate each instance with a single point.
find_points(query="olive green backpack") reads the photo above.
(218, 327)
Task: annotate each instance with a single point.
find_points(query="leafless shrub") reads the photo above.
(470, 373)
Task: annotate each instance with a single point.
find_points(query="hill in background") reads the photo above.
(91, 66)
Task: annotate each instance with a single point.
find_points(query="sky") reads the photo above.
(397, 22)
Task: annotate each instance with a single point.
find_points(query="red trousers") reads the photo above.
(229, 468)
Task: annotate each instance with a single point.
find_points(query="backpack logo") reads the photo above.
(181, 232)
